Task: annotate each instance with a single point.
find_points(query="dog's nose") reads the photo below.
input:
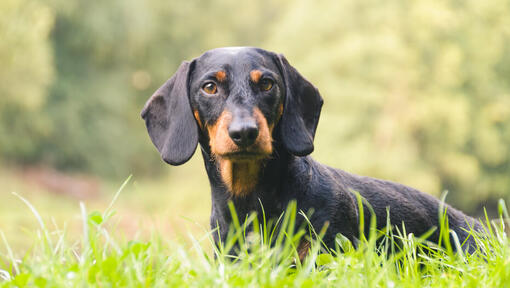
(243, 133)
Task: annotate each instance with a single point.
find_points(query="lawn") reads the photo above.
(171, 204)
(101, 253)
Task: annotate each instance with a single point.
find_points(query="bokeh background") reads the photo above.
(416, 92)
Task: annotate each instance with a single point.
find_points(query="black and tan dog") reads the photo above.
(255, 117)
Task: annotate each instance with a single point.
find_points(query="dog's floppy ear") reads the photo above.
(301, 112)
(169, 119)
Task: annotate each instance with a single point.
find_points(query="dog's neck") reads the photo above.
(244, 181)
(240, 178)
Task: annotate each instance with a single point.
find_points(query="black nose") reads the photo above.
(243, 133)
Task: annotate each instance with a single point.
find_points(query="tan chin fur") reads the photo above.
(239, 176)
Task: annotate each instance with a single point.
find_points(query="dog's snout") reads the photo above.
(243, 133)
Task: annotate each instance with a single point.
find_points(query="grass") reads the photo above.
(164, 204)
(100, 257)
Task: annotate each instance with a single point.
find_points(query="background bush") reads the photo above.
(416, 92)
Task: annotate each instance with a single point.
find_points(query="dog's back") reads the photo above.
(418, 211)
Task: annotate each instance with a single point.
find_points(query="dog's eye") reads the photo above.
(209, 88)
(266, 84)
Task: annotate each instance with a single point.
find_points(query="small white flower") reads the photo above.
(70, 275)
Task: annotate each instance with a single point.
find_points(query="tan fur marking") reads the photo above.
(220, 141)
(197, 117)
(264, 141)
(221, 75)
(226, 171)
(280, 112)
(255, 75)
(304, 246)
(240, 176)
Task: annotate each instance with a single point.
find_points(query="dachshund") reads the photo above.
(255, 117)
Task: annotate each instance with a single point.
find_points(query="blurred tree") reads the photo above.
(26, 70)
(416, 92)
(92, 105)
(110, 56)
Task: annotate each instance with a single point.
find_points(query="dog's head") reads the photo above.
(239, 100)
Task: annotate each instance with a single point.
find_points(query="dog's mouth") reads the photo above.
(244, 155)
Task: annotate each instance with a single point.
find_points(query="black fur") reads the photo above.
(289, 174)
(169, 120)
(302, 110)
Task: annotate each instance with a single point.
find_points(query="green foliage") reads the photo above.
(100, 259)
(26, 71)
(109, 58)
(416, 92)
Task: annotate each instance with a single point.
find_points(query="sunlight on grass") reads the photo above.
(265, 257)
(171, 204)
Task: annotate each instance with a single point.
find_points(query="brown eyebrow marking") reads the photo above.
(221, 75)
(255, 75)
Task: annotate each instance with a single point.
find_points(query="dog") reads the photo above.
(255, 117)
